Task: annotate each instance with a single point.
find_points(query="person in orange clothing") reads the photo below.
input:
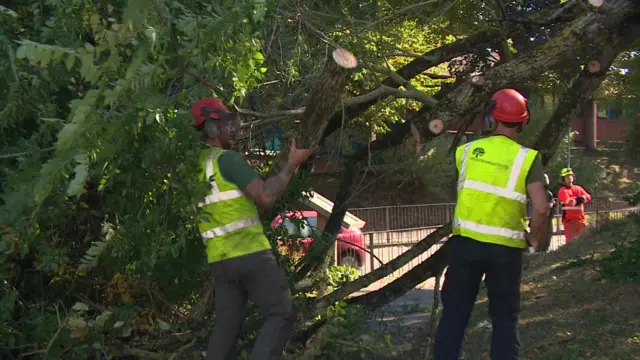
(572, 199)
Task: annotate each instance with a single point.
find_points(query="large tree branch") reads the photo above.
(442, 54)
(592, 27)
(414, 68)
(581, 89)
(381, 272)
(325, 96)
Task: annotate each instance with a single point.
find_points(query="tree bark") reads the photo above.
(323, 100)
(326, 95)
(387, 269)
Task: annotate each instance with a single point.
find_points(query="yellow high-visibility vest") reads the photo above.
(229, 221)
(492, 190)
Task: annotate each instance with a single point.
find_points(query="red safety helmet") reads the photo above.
(508, 105)
(211, 107)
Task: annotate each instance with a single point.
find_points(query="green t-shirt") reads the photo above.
(536, 172)
(234, 168)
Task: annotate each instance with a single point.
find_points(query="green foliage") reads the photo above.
(632, 146)
(429, 170)
(623, 264)
(338, 275)
(346, 338)
(103, 183)
(588, 173)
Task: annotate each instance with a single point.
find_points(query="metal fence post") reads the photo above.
(597, 214)
(387, 223)
(558, 217)
(371, 252)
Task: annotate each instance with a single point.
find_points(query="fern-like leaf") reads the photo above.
(90, 259)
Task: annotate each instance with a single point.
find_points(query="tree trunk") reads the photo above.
(323, 100)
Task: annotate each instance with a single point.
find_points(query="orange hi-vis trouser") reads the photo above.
(573, 228)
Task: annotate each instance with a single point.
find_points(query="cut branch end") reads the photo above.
(344, 58)
(596, 3)
(436, 126)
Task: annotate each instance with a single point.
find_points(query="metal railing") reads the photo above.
(387, 235)
(386, 218)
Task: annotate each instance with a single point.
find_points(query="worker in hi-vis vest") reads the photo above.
(242, 261)
(572, 197)
(495, 176)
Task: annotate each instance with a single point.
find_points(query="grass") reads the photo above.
(567, 311)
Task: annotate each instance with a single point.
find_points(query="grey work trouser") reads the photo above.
(256, 277)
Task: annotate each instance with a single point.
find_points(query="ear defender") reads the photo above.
(526, 123)
(489, 123)
(211, 127)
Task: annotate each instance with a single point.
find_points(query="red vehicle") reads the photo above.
(350, 244)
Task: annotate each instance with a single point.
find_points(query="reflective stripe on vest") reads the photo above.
(490, 230)
(216, 195)
(225, 229)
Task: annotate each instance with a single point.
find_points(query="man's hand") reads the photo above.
(533, 241)
(266, 192)
(579, 200)
(299, 156)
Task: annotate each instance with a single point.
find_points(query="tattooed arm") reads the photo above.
(266, 192)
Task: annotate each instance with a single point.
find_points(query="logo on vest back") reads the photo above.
(477, 152)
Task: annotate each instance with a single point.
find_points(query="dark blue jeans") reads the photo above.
(468, 261)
